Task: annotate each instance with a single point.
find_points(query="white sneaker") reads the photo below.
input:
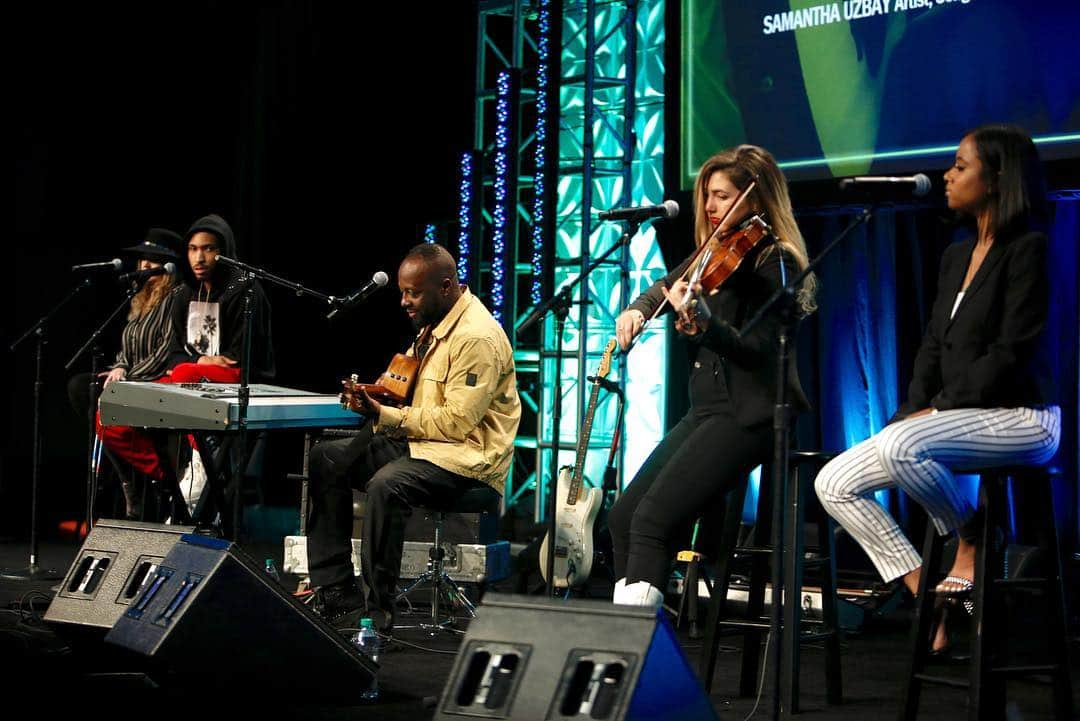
(640, 593)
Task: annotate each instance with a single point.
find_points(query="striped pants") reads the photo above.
(919, 456)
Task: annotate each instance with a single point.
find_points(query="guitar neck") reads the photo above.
(583, 447)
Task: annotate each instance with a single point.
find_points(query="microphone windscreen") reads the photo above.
(380, 279)
(922, 184)
(671, 209)
(170, 268)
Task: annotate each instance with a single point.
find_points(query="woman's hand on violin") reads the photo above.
(701, 312)
(627, 326)
(691, 313)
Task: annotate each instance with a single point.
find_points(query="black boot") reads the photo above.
(340, 604)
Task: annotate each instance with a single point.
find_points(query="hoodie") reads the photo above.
(227, 290)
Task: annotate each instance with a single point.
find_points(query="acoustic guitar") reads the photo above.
(394, 387)
(579, 506)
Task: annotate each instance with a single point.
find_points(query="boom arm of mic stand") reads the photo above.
(789, 289)
(44, 320)
(129, 294)
(261, 274)
(557, 299)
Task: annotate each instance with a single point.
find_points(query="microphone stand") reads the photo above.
(248, 275)
(782, 301)
(95, 355)
(560, 304)
(40, 331)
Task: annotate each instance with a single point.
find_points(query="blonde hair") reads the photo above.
(150, 295)
(741, 165)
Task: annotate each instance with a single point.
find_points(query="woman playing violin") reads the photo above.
(727, 431)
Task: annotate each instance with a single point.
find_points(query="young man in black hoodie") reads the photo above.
(209, 342)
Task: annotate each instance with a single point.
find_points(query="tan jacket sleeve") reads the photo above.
(466, 379)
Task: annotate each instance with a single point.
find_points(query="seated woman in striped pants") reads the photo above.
(978, 397)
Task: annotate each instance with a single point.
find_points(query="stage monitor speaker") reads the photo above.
(211, 613)
(537, 658)
(110, 571)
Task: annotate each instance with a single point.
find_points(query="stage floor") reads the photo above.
(75, 671)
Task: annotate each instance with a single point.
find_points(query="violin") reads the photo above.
(718, 260)
(715, 259)
(722, 257)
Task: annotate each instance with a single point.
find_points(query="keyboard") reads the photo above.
(215, 407)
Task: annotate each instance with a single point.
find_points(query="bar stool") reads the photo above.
(443, 588)
(990, 665)
(759, 549)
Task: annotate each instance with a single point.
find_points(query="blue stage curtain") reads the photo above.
(1061, 349)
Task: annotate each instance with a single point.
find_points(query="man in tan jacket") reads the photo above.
(456, 433)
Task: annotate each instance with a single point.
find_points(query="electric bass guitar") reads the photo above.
(579, 506)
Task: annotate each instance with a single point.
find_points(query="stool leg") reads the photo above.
(759, 576)
(793, 584)
(755, 607)
(687, 602)
(1041, 494)
(729, 536)
(920, 628)
(691, 588)
(986, 697)
(826, 543)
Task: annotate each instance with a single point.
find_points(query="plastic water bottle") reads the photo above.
(368, 641)
(271, 570)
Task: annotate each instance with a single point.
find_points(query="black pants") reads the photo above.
(394, 483)
(687, 475)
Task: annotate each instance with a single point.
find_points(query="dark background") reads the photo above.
(296, 123)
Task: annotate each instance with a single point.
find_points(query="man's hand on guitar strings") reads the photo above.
(359, 400)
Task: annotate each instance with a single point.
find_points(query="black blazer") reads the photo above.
(749, 362)
(985, 356)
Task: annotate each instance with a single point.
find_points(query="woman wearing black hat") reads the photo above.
(144, 349)
(143, 355)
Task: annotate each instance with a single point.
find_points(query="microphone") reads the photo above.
(919, 180)
(669, 210)
(114, 264)
(140, 275)
(377, 281)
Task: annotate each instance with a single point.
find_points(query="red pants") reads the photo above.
(133, 445)
(198, 373)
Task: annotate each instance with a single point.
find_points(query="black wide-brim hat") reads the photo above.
(161, 245)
